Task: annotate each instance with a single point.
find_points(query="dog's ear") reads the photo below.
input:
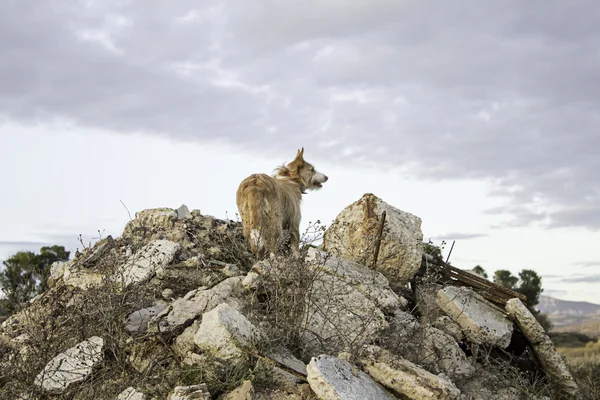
(300, 155)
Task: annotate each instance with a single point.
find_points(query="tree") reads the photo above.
(530, 284)
(25, 275)
(47, 257)
(479, 270)
(505, 278)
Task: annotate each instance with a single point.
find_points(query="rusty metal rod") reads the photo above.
(379, 239)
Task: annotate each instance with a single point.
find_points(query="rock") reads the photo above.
(147, 262)
(223, 330)
(481, 322)
(198, 302)
(71, 366)
(183, 212)
(345, 304)
(57, 270)
(131, 394)
(482, 389)
(244, 392)
(334, 379)
(368, 282)
(439, 353)
(82, 279)
(138, 320)
(425, 295)
(184, 343)
(337, 316)
(150, 221)
(69, 274)
(194, 392)
(553, 364)
(404, 377)
(446, 325)
(354, 232)
(167, 294)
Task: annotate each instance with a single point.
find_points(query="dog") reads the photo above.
(270, 205)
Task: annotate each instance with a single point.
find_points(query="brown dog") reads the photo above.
(269, 205)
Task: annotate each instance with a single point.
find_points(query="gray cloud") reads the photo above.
(587, 263)
(580, 278)
(501, 91)
(461, 236)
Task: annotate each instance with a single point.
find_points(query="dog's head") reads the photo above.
(304, 172)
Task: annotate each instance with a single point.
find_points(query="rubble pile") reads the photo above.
(178, 308)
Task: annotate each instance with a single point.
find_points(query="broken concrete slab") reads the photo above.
(481, 321)
(404, 377)
(147, 262)
(545, 351)
(334, 379)
(71, 366)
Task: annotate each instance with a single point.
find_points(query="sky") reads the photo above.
(479, 117)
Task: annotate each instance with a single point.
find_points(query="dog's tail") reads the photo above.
(251, 204)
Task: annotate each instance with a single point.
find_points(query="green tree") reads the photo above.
(25, 275)
(47, 257)
(530, 284)
(479, 269)
(505, 278)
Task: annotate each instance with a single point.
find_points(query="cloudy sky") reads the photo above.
(479, 117)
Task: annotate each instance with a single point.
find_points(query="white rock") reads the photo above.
(355, 230)
(345, 305)
(223, 330)
(146, 263)
(244, 392)
(334, 379)
(131, 394)
(71, 366)
(57, 270)
(481, 322)
(440, 353)
(198, 302)
(337, 316)
(404, 377)
(194, 392)
(553, 364)
(368, 282)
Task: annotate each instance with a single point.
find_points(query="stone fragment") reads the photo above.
(334, 379)
(183, 212)
(194, 392)
(353, 236)
(131, 394)
(224, 331)
(404, 377)
(198, 302)
(71, 366)
(138, 320)
(146, 263)
(244, 392)
(552, 362)
(481, 321)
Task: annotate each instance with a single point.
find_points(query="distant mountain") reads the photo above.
(575, 316)
(550, 305)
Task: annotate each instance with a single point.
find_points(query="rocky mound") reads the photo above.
(178, 308)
